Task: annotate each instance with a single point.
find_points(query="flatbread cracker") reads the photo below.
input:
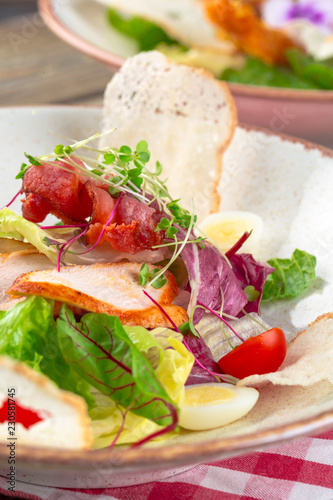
(187, 117)
(64, 416)
(309, 358)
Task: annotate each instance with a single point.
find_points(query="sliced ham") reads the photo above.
(61, 189)
(132, 229)
(35, 208)
(102, 203)
(73, 198)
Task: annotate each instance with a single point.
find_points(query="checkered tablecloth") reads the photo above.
(299, 470)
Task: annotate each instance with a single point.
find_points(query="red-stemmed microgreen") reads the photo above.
(13, 199)
(66, 246)
(66, 226)
(220, 318)
(125, 170)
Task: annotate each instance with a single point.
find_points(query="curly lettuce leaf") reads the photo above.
(291, 277)
(103, 355)
(146, 33)
(28, 334)
(146, 343)
(16, 227)
(107, 418)
(175, 369)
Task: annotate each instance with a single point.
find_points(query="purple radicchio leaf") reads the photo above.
(209, 273)
(249, 272)
(202, 353)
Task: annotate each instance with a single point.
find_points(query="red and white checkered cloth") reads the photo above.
(300, 470)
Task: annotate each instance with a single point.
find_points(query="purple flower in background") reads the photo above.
(317, 12)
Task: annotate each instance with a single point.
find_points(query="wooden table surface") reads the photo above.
(38, 68)
(41, 69)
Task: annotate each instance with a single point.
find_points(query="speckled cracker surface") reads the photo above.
(187, 117)
(309, 358)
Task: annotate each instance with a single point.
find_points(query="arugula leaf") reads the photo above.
(146, 33)
(256, 72)
(291, 276)
(28, 334)
(103, 355)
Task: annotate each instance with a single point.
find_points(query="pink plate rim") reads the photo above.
(50, 18)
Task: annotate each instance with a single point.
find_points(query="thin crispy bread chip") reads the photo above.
(309, 358)
(106, 288)
(187, 117)
(64, 421)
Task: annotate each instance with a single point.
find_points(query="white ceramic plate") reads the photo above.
(308, 114)
(277, 177)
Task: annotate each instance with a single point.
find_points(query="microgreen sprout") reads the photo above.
(145, 275)
(13, 199)
(124, 170)
(23, 169)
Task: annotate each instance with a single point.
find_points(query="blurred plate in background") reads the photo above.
(302, 113)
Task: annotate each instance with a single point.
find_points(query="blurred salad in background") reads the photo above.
(278, 43)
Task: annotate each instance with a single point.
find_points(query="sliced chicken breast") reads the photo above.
(112, 288)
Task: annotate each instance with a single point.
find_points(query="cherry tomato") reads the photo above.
(256, 355)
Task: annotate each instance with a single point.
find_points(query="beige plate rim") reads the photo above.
(176, 454)
(50, 18)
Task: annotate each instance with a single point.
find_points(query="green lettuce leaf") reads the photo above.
(16, 227)
(174, 369)
(28, 334)
(172, 372)
(146, 343)
(104, 356)
(320, 73)
(107, 418)
(291, 276)
(146, 33)
(256, 72)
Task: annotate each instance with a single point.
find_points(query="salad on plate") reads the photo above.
(122, 322)
(257, 42)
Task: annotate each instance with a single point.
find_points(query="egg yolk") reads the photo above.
(226, 233)
(205, 395)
